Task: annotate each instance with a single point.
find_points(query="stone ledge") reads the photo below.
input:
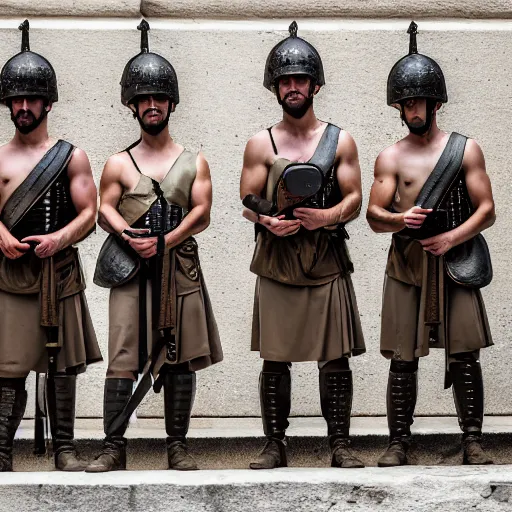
(243, 9)
(328, 8)
(27, 8)
(225, 428)
(419, 488)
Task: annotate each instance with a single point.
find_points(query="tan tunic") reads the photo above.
(197, 336)
(22, 339)
(463, 320)
(305, 307)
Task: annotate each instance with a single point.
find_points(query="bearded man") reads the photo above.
(155, 195)
(47, 204)
(301, 184)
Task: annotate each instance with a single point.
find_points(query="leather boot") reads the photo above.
(275, 401)
(113, 455)
(468, 393)
(179, 394)
(401, 402)
(62, 423)
(336, 392)
(13, 400)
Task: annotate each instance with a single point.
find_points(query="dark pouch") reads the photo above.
(469, 264)
(297, 183)
(117, 263)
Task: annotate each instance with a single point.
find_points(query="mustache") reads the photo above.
(25, 112)
(292, 93)
(151, 110)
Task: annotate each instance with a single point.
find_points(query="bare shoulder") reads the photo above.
(346, 142)
(79, 163)
(5, 148)
(114, 167)
(259, 142)
(473, 154)
(202, 166)
(387, 160)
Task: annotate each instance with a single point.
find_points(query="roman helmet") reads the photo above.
(293, 56)
(148, 73)
(28, 73)
(415, 76)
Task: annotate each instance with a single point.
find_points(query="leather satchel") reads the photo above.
(117, 263)
(469, 264)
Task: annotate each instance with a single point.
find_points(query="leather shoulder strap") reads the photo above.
(37, 183)
(325, 153)
(445, 173)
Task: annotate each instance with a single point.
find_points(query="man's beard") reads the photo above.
(299, 111)
(153, 129)
(423, 128)
(27, 128)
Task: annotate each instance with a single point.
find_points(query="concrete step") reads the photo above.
(230, 443)
(411, 488)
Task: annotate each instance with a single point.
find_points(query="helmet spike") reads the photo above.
(413, 45)
(292, 29)
(144, 40)
(25, 41)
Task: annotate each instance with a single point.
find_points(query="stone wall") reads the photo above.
(220, 69)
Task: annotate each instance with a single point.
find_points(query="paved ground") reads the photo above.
(412, 488)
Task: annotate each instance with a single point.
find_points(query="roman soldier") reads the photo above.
(48, 204)
(155, 195)
(431, 190)
(301, 183)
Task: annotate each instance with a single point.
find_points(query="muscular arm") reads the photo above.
(254, 173)
(111, 191)
(348, 174)
(253, 180)
(381, 197)
(84, 196)
(198, 218)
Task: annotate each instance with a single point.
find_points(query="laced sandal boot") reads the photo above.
(468, 393)
(179, 394)
(272, 456)
(401, 402)
(395, 455)
(342, 456)
(113, 454)
(473, 452)
(62, 423)
(13, 401)
(336, 392)
(178, 456)
(275, 402)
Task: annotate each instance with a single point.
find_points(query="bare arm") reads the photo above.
(198, 218)
(253, 180)
(111, 191)
(348, 174)
(480, 192)
(84, 196)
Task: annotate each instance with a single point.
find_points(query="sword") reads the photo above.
(144, 385)
(40, 417)
(147, 380)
